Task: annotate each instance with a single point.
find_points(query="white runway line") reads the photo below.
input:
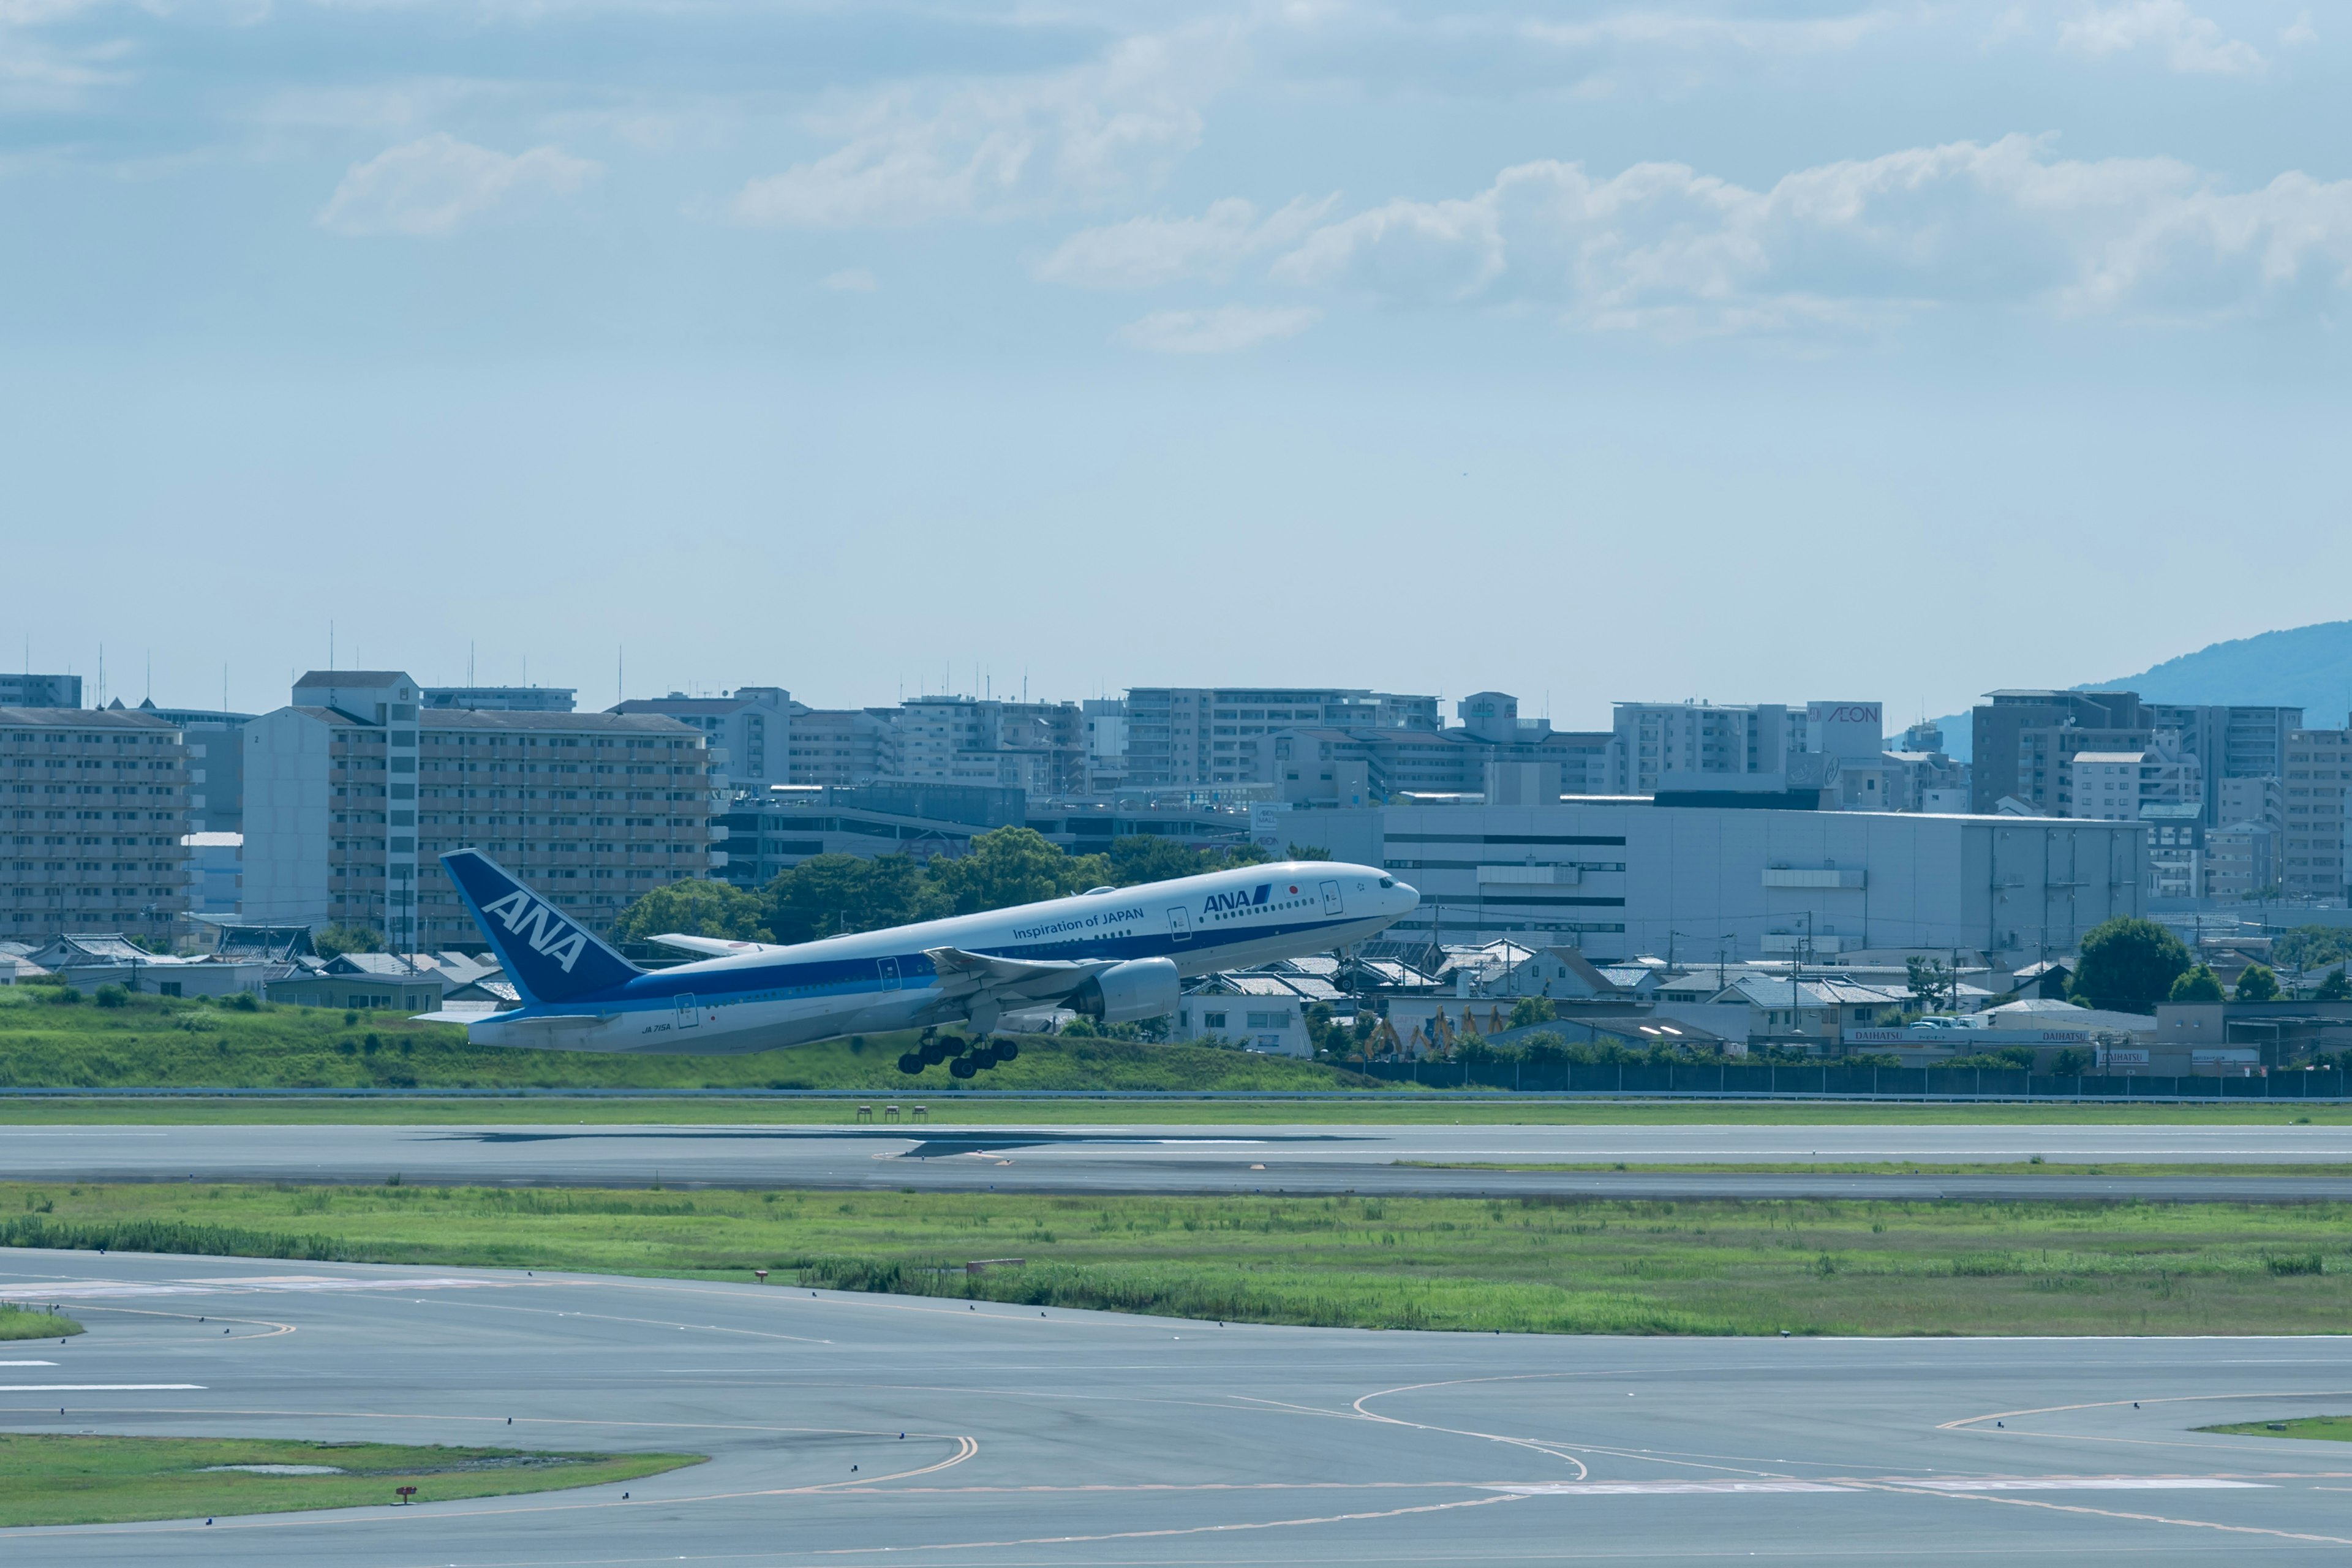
(27, 1364)
(94, 1388)
(1661, 1488)
(2088, 1484)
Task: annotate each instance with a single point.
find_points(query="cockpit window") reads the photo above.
(1388, 881)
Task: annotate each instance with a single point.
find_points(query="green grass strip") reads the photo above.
(1535, 1265)
(60, 1480)
(2328, 1429)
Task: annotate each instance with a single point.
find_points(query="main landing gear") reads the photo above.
(963, 1059)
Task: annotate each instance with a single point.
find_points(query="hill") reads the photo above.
(2308, 667)
(2304, 667)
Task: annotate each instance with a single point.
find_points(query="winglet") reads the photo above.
(548, 955)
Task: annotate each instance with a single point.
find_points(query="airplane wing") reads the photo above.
(713, 946)
(965, 973)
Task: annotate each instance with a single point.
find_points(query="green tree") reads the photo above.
(1932, 985)
(1305, 852)
(337, 940)
(1149, 857)
(2128, 966)
(2258, 983)
(1532, 1010)
(828, 895)
(2198, 984)
(1006, 867)
(2335, 988)
(1242, 855)
(2309, 947)
(695, 906)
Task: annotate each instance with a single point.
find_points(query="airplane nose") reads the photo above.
(1412, 896)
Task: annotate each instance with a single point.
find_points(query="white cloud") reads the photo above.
(1684, 30)
(987, 148)
(849, 280)
(2299, 32)
(1145, 252)
(1223, 330)
(428, 188)
(1663, 247)
(2188, 42)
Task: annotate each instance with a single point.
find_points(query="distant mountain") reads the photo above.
(2304, 666)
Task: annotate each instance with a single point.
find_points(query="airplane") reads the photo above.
(1112, 954)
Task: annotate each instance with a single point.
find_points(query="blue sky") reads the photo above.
(1758, 351)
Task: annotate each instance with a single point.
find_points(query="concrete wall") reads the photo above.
(287, 811)
(1690, 879)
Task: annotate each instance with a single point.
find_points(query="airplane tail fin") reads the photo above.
(549, 956)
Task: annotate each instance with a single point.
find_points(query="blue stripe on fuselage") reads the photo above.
(851, 976)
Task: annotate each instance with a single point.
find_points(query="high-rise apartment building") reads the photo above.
(214, 739)
(842, 747)
(753, 724)
(93, 806)
(2229, 742)
(353, 791)
(2024, 744)
(40, 690)
(2311, 849)
(1185, 737)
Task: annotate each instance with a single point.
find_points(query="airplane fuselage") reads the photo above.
(883, 980)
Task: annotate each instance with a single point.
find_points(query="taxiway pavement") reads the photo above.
(1068, 1439)
(1392, 1160)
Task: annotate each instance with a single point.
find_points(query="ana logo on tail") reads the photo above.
(547, 932)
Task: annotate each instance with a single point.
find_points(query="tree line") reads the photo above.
(831, 895)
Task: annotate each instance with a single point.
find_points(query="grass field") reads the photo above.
(59, 1479)
(154, 1042)
(1712, 1268)
(2328, 1429)
(16, 1324)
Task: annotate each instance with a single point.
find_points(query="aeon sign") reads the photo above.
(1845, 729)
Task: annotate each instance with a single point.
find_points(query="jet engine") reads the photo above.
(1139, 988)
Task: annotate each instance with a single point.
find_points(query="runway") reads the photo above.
(1390, 1160)
(1077, 1438)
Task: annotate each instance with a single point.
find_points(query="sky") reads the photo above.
(1745, 352)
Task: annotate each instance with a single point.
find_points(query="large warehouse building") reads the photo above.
(1628, 878)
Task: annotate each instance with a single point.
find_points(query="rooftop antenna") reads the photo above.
(330, 644)
(620, 674)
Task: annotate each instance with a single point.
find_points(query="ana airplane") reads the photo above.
(1113, 954)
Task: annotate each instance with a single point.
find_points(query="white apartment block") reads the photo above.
(353, 792)
(2118, 785)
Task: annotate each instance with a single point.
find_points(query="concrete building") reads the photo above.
(1103, 720)
(1039, 748)
(502, 699)
(1182, 737)
(30, 690)
(2024, 740)
(2176, 849)
(93, 805)
(215, 873)
(2311, 848)
(352, 793)
(2229, 742)
(214, 739)
(1619, 881)
(1493, 753)
(840, 748)
(2242, 861)
(2262, 800)
(2120, 786)
(751, 725)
